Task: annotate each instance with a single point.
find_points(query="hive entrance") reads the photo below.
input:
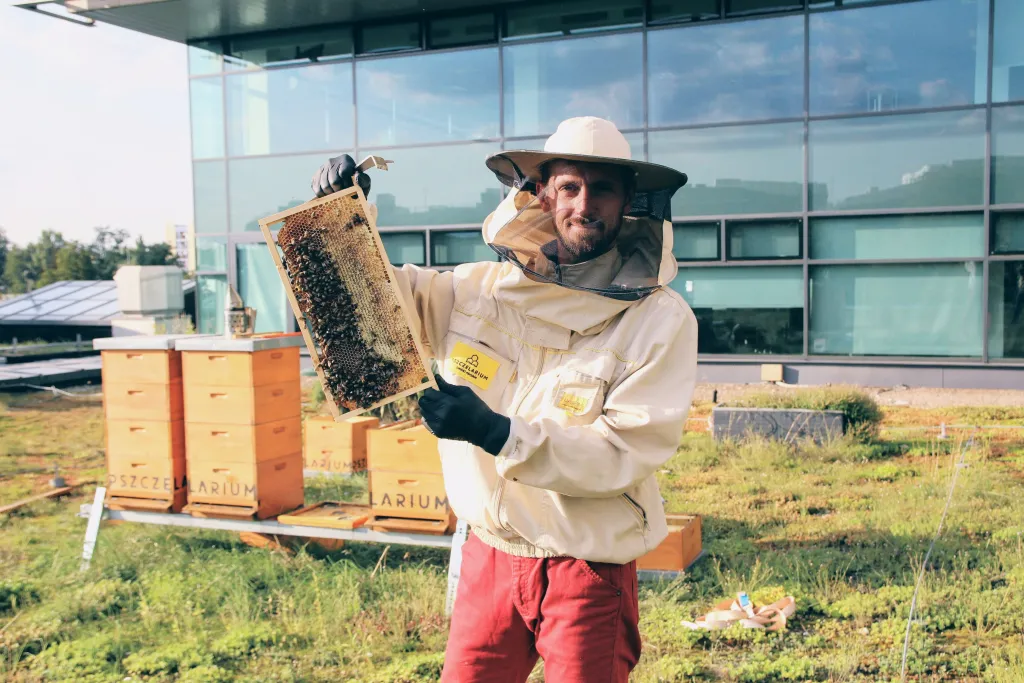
(351, 313)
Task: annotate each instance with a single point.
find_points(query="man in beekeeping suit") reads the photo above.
(567, 373)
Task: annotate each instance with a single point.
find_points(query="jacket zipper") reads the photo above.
(638, 512)
(500, 494)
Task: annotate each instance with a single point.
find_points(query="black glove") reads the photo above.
(457, 413)
(336, 174)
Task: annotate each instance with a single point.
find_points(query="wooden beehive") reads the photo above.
(243, 425)
(356, 325)
(680, 548)
(336, 447)
(143, 423)
(406, 484)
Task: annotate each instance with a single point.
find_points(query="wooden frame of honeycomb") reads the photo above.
(334, 268)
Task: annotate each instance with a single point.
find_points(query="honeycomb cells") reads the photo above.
(340, 280)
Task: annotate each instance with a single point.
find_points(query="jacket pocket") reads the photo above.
(638, 512)
(470, 362)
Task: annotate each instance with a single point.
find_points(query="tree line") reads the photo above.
(52, 258)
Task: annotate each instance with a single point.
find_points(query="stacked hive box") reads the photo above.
(406, 485)
(680, 548)
(336, 447)
(145, 437)
(243, 425)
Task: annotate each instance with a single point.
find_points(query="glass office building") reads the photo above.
(856, 193)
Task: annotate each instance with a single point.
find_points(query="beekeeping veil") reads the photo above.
(532, 229)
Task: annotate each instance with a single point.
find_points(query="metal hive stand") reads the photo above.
(271, 527)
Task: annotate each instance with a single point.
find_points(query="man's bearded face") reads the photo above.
(587, 202)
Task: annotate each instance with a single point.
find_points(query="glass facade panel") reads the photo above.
(209, 196)
(745, 310)
(683, 10)
(405, 247)
(898, 237)
(898, 162)
(745, 70)
(260, 287)
(265, 186)
(734, 169)
(930, 309)
(291, 47)
(464, 246)
(903, 56)
(472, 29)
(1008, 155)
(572, 16)
(409, 195)
(1008, 233)
(1008, 51)
(696, 241)
(206, 98)
(547, 82)
(446, 96)
(764, 239)
(390, 37)
(290, 110)
(210, 293)
(202, 61)
(212, 254)
(1006, 309)
(734, 7)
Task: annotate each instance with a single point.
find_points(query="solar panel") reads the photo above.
(73, 302)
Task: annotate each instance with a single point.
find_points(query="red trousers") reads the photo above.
(580, 617)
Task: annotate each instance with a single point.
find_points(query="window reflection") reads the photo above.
(929, 309)
(1008, 155)
(211, 291)
(472, 29)
(898, 237)
(207, 110)
(262, 187)
(749, 310)
(906, 161)
(780, 239)
(1008, 233)
(463, 246)
(570, 16)
(405, 247)
(288, 47)
(1006, 309)
(734, 7)
(1008, 51)
(683, 10)
(546, 83)
(428, 98)
(203, 59)
(696, 241)
(261, 288)
(290, 110)
(211, 254)
(909, 55)
(390, 37)
(209, 196)
(735, 169)
(410, 193)
(727, 72)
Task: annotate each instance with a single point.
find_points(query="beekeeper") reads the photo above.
(567, 373)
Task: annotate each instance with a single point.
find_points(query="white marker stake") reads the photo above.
(92, 531)
(455, 565)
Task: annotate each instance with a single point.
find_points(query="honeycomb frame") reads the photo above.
(341, 224)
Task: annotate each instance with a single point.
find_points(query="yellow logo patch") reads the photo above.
(473, 366)
(573, 404)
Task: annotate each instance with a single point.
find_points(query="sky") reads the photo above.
(94, 129)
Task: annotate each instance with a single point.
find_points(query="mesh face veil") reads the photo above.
(588, 227)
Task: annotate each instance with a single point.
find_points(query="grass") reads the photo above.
(843, 527)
